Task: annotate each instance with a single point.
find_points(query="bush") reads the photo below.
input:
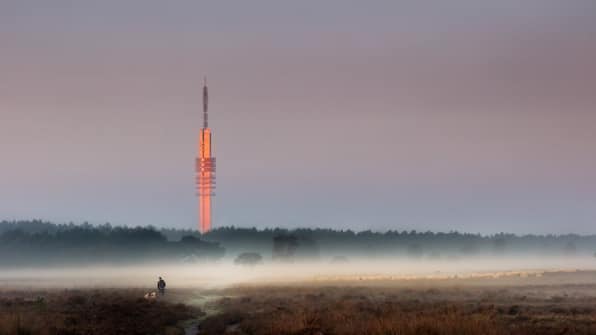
(249, 258)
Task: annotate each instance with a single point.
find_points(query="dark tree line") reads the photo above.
(45, 244)
(305, 243)
(25, 240)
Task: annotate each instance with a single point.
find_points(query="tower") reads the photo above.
(205, 169)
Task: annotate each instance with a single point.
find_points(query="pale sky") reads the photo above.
(478, 116)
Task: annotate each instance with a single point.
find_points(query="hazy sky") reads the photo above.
(472, 115)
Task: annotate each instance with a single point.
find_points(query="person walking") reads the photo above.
(161, 286)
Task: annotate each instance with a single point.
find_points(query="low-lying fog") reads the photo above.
(225, 273)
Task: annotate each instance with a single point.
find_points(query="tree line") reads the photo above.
(26, 239)
(36, 243)
(318, 242)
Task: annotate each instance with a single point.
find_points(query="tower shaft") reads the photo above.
(205, 170)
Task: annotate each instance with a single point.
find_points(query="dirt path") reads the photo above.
(207, 303)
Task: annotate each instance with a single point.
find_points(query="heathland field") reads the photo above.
(553, 303)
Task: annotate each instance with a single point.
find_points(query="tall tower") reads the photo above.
(205, 168)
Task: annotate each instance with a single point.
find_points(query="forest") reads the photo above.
(37, 242)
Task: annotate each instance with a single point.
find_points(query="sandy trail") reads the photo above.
(205, 300)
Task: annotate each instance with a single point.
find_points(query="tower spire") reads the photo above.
(205, 103)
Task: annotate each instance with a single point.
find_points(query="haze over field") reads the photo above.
(364, 272)
(39, 254)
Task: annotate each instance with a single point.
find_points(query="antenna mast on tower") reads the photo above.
(205, 104)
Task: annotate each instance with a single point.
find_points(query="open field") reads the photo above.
(561, 302)
(90, 311)
(448, 308)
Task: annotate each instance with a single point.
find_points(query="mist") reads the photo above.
(44, 254)
(225, 274)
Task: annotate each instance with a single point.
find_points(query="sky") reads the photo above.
(477, 116)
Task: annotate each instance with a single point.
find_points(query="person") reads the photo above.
(161, 286)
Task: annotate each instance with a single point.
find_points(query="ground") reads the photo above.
(387, 310)
(91, 312)
(554, 303)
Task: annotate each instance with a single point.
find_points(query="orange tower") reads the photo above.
(205, 168)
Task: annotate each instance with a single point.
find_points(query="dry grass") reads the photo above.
(371, 311)
(88, 312)
(401, 308)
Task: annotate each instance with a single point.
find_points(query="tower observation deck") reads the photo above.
(205, 169)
